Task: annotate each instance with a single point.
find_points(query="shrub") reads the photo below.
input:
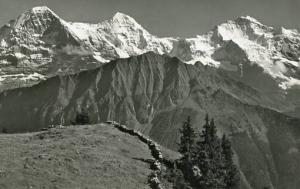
(82, 118)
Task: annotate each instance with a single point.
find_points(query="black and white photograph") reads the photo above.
(149, 94)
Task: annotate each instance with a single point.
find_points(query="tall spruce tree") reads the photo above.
(187, 139)
(206, 128)
(215, 152)
(179, 181)
(208, 157)
(231, 175)
(186, 148)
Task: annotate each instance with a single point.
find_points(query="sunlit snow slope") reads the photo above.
(39, 41)
(39, 44)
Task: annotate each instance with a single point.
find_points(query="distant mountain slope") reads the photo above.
(154, 94)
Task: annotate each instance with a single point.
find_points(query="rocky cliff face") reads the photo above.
(154, 94)
(39, 44)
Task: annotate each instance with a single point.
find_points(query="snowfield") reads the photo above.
(39, 34)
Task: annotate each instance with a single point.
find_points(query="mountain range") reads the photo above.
(41, 41)
(243, 73)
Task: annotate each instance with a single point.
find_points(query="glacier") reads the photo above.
(40, 38)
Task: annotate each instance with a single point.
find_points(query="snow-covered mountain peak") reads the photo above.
(288, 32)
(249, 19)
(41, 9)
(39, 32)
(121, 17)
(36, 19)
(244, 27)
(124, 21)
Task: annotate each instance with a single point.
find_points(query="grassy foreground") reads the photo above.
(85, 157)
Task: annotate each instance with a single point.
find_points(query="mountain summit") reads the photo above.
(42, 43)
(36, 19)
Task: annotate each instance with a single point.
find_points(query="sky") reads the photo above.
(181, 18)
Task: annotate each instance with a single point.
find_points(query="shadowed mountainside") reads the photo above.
(154, 94)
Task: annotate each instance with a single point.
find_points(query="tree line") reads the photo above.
(207, 160)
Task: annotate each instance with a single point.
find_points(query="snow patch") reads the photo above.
(33, 77)
(3, 43)
(250, 19)
(19, 55)
(290, 83)
(99, 58)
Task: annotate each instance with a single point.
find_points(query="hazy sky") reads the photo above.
(184, 18)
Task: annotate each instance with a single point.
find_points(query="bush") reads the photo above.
(82, 118)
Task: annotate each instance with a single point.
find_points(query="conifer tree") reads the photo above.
(205, 134)
(207, 161)
(186, 147)
(208, 157)
(187, 139)
(179, 181)
(215, 152)
(231, 176)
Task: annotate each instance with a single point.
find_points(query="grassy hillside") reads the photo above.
(97, 156)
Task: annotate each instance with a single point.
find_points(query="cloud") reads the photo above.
(293, 150)
(279, 67)
(75, 50)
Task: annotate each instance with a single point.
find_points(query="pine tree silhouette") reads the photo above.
(186, 147)
(231, 176)
(187, 139)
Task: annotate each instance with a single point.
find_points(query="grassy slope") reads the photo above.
(96, 156)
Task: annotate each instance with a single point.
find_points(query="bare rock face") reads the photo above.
(40, 41)
(39, 44)
(154, 94)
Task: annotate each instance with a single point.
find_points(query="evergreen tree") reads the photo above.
(186, 147)
(231, 175)
(207, 161)
(187, 139)
(216, 155)
(209, 158)
(206, 128)
(179, 180)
